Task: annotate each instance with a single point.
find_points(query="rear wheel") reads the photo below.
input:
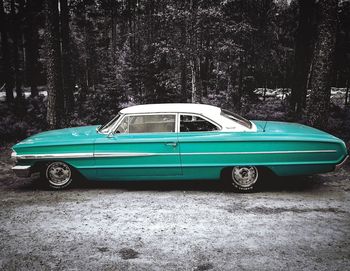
(57, 175)
(242, 178)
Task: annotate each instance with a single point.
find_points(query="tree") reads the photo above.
(302, 55)
(53, 65)
(67, 76)
(318, 109)
(15, 30)
(32, 46)
(8, 81)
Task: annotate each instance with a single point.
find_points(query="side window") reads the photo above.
(147, 124)
(192, 123)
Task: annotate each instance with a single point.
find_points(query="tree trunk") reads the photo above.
(183, 71)
(68, 83)
(196, 95)
(32, 40)
(114, 35)
(217, 79)
(183, 64)
(15, 33)
(55, 95)
(302, 57)
(193, 81)
(237, 86)
(347, 92)
(5, 55)
(318, 110)
(233, 91)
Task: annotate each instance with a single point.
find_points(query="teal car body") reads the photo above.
(110, 153)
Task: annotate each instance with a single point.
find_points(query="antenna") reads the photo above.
(264, 126)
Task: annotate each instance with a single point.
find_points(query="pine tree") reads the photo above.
(53, 65)
(318, 109)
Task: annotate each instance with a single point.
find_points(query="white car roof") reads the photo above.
(173, 108)
(211, 112)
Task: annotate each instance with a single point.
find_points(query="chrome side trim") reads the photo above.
(123, 154)
(55, 155)
(22, 171)
(337, 167)
(135, 154)
(141, 154)
(257, 152)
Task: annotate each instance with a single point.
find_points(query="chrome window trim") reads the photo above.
(144, 114)
(226, 114)
(177, 122)
(118, 120)
(201, 116)
(113, 119)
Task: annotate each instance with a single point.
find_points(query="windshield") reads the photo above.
(236, 118)
(105, 129)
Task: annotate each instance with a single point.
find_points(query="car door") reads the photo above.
(143, 145)
(199, 140)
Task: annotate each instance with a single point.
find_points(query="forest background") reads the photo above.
(77, 62)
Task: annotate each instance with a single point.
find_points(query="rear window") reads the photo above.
(192, 123)
(236, 118)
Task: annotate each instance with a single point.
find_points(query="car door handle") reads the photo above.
(171, 144)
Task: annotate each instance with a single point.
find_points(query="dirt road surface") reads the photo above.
(293, 224)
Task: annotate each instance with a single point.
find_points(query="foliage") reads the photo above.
(14, 126)
(131, 52)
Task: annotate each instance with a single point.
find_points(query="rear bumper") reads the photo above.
(338, 166)
(22, 171)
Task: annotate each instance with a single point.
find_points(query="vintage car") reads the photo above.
(178, 142)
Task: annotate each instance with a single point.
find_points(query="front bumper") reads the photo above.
(342, 163)
(22, 171)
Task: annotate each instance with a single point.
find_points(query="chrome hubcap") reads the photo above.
(58, 173)
(244, 176)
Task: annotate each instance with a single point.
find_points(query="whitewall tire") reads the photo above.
(242, 178)
(58, 175)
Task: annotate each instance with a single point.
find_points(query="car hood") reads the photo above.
(83, 134)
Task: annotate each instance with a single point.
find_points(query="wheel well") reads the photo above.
(38, 166)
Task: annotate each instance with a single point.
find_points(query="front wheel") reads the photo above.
(57, 175)
(242, 178)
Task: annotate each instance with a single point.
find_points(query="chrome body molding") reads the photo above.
(124, 154)
(141, 154)
(338, 166)
(22, 171)
(258, 152)
(55, 156)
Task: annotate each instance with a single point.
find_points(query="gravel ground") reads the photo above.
(293, 224)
